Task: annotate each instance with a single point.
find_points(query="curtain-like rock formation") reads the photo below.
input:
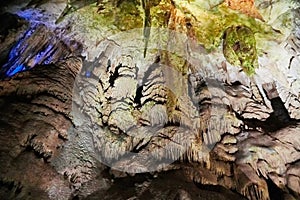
(89, 114)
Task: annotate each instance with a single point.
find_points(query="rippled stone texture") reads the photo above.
(62, 120)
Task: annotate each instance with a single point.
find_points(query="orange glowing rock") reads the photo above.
(244, 6)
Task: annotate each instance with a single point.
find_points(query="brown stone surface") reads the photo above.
(55, 123)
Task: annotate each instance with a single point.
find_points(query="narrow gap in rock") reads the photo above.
(138, 95)
(274, 191)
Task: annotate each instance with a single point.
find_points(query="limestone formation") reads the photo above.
(85, 112)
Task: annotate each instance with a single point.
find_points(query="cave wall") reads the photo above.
(82, 117)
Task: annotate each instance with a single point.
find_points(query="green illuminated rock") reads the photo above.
(239, 48)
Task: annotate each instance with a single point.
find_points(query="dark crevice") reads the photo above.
(275, 192)
(39, 155)
(169, 123)
(280, 112)
(202, 102)
(155, 101)
(197, 88)
(8, 21)
(114, 76)
(16, 187)
(270, 125)
(136, 149)
(152, 81)
(108, 66)
(138, 96)
(236, 83)
(277, 120)
(291, 60)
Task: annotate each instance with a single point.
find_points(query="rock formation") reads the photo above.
(86, 114)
